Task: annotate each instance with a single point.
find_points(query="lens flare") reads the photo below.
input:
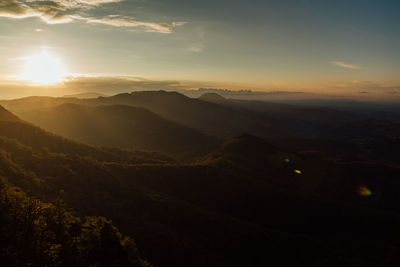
(287, 160)
(364, 191)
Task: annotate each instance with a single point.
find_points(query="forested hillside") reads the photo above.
(34, 233)
(246, 203)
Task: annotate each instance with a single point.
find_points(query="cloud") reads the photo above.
(282, 93)
(65, 11)
(364, 87)
(123, 21)
(346, 65)
(49, 11)
(108, 85)
(115, 84)
(94, 2)
(12, 8)
(18, 58)
(196, 48)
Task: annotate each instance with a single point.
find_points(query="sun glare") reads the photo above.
(43, 69)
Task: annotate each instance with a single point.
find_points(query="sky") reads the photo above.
(326, 47)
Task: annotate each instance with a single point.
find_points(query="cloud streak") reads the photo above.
(123, 21)
(196, 48)
(346, 65)
(66, 11)
(115, 84)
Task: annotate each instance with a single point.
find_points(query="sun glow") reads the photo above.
(43, 69)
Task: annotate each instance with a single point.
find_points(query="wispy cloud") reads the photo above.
(10, 87)
(116, 84)
(123, 21)
(196, 48)
(65, 11)
(18, 58)
(363, 87)
(346, 65)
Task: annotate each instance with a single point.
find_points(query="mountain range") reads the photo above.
(237, 183)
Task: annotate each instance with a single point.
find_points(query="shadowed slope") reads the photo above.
(5, 115)
(32, 136)
(210, 118)
(121, 126)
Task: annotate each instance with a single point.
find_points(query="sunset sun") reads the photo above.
(43, 69)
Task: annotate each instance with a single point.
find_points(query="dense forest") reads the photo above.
(231, 185)
(34, 233)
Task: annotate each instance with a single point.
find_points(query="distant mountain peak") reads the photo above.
(86, 95)
(158, 93)
(212, 97)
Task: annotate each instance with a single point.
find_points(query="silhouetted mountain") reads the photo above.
(305, 128)
(27, 104)
(212, 97)
(210, 118)
(121, 126)
(86, 95)
(312, 128)
(29, 135)
(215, 115)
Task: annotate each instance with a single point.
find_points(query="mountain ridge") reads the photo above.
(121, 126)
